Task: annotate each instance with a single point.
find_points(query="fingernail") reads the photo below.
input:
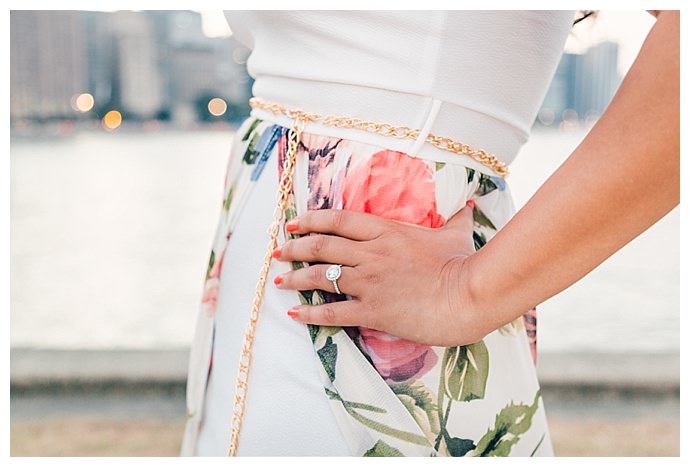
(291, 225)
(470, 203)
(293, 312)
(278, 279)
(276, 252)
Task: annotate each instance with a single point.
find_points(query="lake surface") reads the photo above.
(110, 234)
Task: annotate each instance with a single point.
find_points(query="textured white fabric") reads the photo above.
(489, 69)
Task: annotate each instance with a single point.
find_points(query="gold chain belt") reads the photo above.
(385, 129)
(300, 119)
(244, 365)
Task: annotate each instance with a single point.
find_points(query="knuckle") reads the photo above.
(367, 318)
(314, 276)
(372, 278)
(337, 219)
(305, 219)
(286, 248)
(388, 243)
(374, 305)
(329, 315)
(317, 244)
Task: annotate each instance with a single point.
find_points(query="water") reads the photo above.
(631, 303)
(110, 234)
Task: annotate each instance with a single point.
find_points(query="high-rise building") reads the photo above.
(47, 63)
(560, 94)
(202, 68)
(583, 85)
(138, 82)
(596, 79)
(150, 64)
(100, 57)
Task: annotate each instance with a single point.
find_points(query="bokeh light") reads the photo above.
(82, 102)
(217, 106)
(112, 120)
(546, 116)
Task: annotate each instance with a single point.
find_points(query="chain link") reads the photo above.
(284, 189)
(385, 129)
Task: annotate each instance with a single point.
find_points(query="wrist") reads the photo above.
(486, 305)
(472, 304)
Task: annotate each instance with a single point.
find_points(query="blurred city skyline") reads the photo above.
(184, 67)
(123, 66)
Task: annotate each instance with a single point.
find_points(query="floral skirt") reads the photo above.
(318, 390)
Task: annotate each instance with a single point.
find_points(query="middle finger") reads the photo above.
(320, 248)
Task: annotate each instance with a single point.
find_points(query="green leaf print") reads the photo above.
(470, 175)
(466, 371)
(374, 425)
(290, 212)
(479, 240)
(418, 400)
(304, 295)
(319, 334)
(307, 297)
(251, 129)
(250, 154)
(353, 405)
(329, 355)
(486, 185)
(511, 422)
(420, 394)
(481, 219)
(313, 331)
(458, 447)
(211, 260)
(440, 165)
(381, 449)
(228, 199)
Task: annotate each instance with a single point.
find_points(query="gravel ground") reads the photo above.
(149, 423)
(127, 403)
(147, 437)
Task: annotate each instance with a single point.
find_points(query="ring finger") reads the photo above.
(314, 277)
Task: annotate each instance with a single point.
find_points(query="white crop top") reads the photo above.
(475, 76)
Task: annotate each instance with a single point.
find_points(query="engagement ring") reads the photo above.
(332, 274)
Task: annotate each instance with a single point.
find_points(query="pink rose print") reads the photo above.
(322, 171)
(211, 287)
(396, 186)
(397, 359)
(530, 320)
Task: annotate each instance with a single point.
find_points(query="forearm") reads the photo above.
(622, 178)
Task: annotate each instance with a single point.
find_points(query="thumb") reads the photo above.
(461, 227)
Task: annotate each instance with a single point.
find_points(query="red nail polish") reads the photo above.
(291, 225)
(470, 203)
(278, 279)
(276, 252)
(293, 312)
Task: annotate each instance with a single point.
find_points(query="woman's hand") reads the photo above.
(404, 279)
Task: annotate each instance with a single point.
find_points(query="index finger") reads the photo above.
(354, 225)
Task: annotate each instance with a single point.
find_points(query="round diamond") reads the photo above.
(333, 272)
